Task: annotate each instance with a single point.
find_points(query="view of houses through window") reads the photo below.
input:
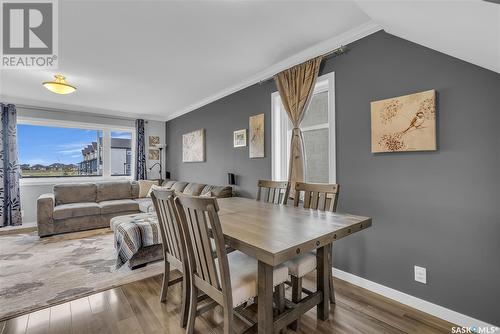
(47, 151)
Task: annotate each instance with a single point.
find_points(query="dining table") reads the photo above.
(274, 234)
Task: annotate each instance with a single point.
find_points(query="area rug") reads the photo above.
(38, 272)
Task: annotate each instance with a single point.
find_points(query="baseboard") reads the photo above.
(459, 319)
(24, 228)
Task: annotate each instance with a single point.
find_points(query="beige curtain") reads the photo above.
(296, 86)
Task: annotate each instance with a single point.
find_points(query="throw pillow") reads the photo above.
(145, 187)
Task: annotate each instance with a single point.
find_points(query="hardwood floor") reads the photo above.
(135, 308)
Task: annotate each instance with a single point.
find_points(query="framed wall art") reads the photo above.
(240, 138)
(404, 123)
(193, 146)
(154, 154)
(154, 140)
(256, 136)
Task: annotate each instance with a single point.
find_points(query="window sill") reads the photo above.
(73, 179)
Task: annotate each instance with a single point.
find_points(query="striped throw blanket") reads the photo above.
(133, 232)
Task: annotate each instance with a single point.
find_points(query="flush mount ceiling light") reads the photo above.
(59, 85)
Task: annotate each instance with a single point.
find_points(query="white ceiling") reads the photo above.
(160, 59)
(466, 29)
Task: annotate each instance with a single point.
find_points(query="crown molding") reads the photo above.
(345, 38)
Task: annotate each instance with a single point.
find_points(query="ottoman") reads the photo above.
(137, 239)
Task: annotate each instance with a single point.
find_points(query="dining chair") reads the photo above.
(316, 196)
(163, 201)
(273, 191)
(230, 280)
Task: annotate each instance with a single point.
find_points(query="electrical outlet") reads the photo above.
(421, 274)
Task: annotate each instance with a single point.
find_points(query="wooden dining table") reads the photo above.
(274, 234)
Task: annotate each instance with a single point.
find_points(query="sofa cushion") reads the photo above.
(113, 190)
(179, 186)
(145, 204)
(72, 210)
(193, 189)
(118, 205)
(218, 191)
(145, 186)
(168, 183)
(74, 193)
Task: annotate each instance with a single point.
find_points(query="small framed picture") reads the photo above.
(154, 154)
(154, 140)
(240, 138)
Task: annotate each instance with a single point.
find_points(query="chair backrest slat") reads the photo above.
(307, 198)
(199, 253)
(172, 231)
(275, 192)
(317, 196)
(322, 202)
(314, 200)
(163, 201)
(207, 249)
(200, 222)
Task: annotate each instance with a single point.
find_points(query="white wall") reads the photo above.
(154, 128)
(30, 192)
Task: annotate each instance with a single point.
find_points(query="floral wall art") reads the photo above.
(256, 136)
(404, 123)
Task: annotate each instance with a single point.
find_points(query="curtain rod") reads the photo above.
(82, 113)
(334, 53)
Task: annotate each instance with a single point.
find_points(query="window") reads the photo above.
(318, 130)
(58, 149)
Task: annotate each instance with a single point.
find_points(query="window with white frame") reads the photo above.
(318, 130)
(66, 149)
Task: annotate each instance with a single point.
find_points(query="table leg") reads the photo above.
(265, 298)
(324, 271)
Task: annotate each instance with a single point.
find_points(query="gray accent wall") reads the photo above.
(220, 119)
(439, 210)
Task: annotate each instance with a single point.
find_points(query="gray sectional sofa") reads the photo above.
(85, 206)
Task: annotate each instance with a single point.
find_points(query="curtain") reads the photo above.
(10, 202)
(140, 162)
(296, 86)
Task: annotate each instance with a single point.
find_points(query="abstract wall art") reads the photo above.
(154, 140)
(193, 146)
(154, 154)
